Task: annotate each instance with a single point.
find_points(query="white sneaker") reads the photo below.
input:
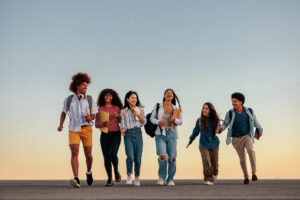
(208, 183)
(129, 180)
(161, 182)
(74, 183)
(171, 183)
(137, 182)
(215, 178)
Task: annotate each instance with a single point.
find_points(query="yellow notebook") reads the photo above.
(104, 116)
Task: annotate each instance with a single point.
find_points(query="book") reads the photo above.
(104, 116)
(256, 135)
(176, 114)
(137, 109)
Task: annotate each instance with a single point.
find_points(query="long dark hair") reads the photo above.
(128, 94)
(116, 101)
(213, 117)
(175, 98)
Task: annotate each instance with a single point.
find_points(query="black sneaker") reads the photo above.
(246, 181)
(89, 178)
(118, 177)
(109, 182)
(75, 182)
(254, 178)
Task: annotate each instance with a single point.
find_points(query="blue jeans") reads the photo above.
(133, 141)
(167, 145)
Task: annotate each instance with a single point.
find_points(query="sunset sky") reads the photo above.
(204, 50)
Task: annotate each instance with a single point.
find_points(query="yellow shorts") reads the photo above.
(85, 135)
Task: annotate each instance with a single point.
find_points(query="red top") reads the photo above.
(113, 124)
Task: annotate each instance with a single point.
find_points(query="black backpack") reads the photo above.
(256, 135)
(230, 113)
(150, 128)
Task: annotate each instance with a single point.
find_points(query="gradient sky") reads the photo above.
(204, 50)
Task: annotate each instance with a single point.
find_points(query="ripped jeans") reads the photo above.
(167, 145)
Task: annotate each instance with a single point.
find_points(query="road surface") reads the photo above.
(184, 189)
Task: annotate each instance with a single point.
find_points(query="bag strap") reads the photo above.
(124, 113)
(157, 108)
(89, 99)
(230, 113)
(69, 100)
(251, 111)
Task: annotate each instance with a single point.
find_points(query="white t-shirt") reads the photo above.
(78, 112)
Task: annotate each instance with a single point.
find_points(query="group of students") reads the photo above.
(128, 119)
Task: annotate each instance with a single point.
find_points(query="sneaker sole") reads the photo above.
(118, 180)
(74, 183)
(90, 183)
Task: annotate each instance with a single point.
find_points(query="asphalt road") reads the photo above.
(184, 189)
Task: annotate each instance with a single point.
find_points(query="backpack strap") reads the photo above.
(69, 100)
(124, 113)
(157, 108)
(89, 99)
(230, 113)
(251, 111)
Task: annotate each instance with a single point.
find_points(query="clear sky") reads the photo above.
(204, 50)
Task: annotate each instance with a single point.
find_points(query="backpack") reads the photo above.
(69, 100)
(230, 114)
(256, 134)
(150, 128)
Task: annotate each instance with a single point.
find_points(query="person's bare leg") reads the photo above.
(74, 158)
(88, 157)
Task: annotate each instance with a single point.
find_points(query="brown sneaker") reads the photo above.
(118, 177)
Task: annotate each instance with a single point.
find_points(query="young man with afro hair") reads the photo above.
(81, 109)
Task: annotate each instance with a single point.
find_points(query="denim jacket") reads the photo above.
(252, 121)
(207, 139)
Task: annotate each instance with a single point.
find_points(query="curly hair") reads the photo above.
(77, 79)
(116, 101)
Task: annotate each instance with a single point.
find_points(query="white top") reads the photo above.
(154, 120)
(130, 120)
(166, 118)
(77, 112)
